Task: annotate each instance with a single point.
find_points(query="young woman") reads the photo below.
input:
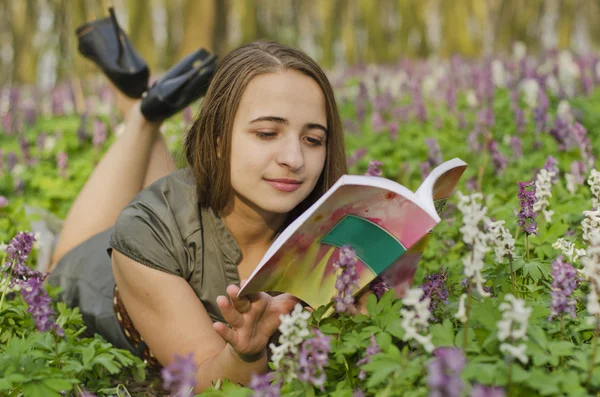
(265, 145)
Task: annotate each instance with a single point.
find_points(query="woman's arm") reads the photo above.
(172, 320)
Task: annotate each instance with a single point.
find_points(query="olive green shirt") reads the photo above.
(161, 229)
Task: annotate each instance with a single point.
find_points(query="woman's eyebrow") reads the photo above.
(281, 120)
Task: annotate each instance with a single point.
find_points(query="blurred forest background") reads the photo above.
(38, 44)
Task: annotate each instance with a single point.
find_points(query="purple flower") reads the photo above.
(370, 351)
(539, 113)
(312, 359)
(24, 145)
(347, 279)
(379, 287)
(498, 159)
(374, 168)
(377, 122)
(39, 303)
(3, 202)
(551, 166)
(578, 172)
(263, 387)
(485, 391)
(564, 282)
(82, 134)
(526, 200)
(19, 247)
(434, 156)
(444, 372)
(357, 155)
(435, 288)
(579, 134)
(394, 128)
(99, 134)
(179, 377)
(62, 161)
(11, 161)
(560, 133)
(516, 144)
(519, 119)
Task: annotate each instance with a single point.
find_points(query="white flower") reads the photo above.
(515, 316)
(474, 213)
(18, 170)
(461, 314)
(471, 99)
(568, 72)
(568, 249)
(543, 192)
(531, 89)
(590, 224)
(519, 50)
(512, 327)
(498, 74)
(571, 183)
(564, 111)
(517, 352)
(591, 271)
(415, 318)
(294, 330)
(502, 240)
(49, 143)
(594, 182)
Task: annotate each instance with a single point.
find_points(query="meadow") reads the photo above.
(506, 299)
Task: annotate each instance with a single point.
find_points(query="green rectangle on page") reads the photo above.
(374, 245)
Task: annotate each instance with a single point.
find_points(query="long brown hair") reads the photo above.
(215, 121)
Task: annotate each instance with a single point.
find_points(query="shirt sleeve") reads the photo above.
(142, 235)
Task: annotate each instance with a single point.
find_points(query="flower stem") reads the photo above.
(594, 351)
(512, 275)
(510, 370)
(484, 163)
(56, 341)
(467, 313)
(527, 245)
(6, 282)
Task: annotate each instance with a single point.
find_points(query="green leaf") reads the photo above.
(442, 334)
(532, 269)
(372, 304)
(396, 329)
(59, 385)
(108, 362)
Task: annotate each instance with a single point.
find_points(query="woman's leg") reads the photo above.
(161, 162)
(116, 180)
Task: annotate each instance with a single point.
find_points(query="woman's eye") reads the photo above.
(314, 141)
(266, 134)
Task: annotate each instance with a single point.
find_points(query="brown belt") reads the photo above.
(131, 333)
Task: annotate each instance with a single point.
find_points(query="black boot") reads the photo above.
(180, 86)
(105, 43)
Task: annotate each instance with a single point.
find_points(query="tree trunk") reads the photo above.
(25, 55)
(140, 30)
(198, 26)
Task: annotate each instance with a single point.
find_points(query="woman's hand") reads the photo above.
(253, 319)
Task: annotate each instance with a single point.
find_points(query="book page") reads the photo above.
(381, 225)
(440, 183)
(435, 190)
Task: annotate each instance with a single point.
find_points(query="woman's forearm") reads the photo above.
(228, 364)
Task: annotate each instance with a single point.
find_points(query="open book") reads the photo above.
(387, 225)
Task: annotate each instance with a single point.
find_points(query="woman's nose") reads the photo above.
(290, 154)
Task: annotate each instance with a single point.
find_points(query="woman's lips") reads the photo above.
(284, 186)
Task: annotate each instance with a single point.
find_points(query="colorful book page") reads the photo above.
(379, 224)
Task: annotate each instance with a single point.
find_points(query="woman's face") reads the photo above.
(279, 141)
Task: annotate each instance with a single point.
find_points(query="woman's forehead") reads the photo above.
(289, 94)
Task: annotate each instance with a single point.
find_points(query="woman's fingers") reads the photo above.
(242, 304)
(230, 313)
(225, 332)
